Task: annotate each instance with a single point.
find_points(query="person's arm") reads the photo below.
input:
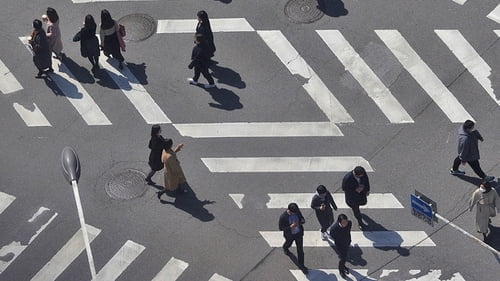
(283, 223)
(472, 201)
(315, 202)
(178, 147)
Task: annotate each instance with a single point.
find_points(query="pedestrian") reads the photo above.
(156, 144)
(322, 203)
(54, 33)
(290, 223)
(341, 235)
(203, 27)
(468, 151)
(173, 175)
(41, 51)
(89, 45)
(200, 62)
(111, 38)
(486, 199)
(356, 187)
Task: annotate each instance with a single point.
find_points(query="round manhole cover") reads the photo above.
(303, 11)
(126, 185)
(138, 27)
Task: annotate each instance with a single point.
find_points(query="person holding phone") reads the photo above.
(356, 187)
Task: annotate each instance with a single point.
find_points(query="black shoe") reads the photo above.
(304, 269)
(361, 226)
(39, 75)
(50, 70)
(159, 194)
(343, 274)
(150, 182)
(346, 270)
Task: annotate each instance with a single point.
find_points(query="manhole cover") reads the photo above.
(138, 27)
(303, 11)
(126, 185)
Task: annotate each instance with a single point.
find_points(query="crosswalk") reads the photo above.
(363, 274)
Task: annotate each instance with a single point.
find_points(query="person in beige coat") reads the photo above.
(54, 33)
(173, 175)
(486, 200)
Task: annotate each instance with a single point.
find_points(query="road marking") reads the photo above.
(318, 91)
(120, 261)
(424, 75)
(259, 129)
(359, 238)
(5, 201)
(303, 200)
(217, 277)
(15, 248)
(172, 270)
(466, 54)
(461, 2)
(8, 82)
(285, 164)
(217, 25)
(358, 68)
(362, 274)
(91, 1)
(136, 93)
(32, 118)
(495, 14)
(497, 32)
(66, 255)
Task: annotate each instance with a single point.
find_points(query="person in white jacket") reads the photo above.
(487, 201)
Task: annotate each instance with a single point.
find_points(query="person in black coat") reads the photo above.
(341, 235)
(290, 223)
(156, 144)
(322, 203)
(41, 51)
(89, 45)
(200, 62)
(203, 27)
(356, 187)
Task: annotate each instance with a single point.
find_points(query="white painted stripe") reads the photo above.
(318, 91)
(497, 32)
(172, 270)
(359, 238)
(358, 68)
(461, 2)
(91, 1)
(217, 25)
(424, 75)
(285, 164)
(362, 274)
(32, 118)
(5, 201)
(217, 277)
(136, 93)
(15, 248)
(238, 199)
(8, 83)
(495, 14)
(66, 255)
(120, 261)
(260, 129)
(466, 54)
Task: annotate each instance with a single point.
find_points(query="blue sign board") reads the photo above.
(421, 208)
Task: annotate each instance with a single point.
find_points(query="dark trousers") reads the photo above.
(325, 219)
(299, 242)
(203, 70)
(150, 175)
(357, 212)
(342, 251)
(473, 164)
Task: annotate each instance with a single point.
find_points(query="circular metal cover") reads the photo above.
(138, 27)
(126, 185)
(303, 11)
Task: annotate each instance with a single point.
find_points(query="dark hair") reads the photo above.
(106, 20)
(89, 22)
(341, 217)
(359, 171)
(155, 129)
(52, 15)
(321, 189)
(168, 144)
(487, 185)
(37, 24)
(203, 16)
(293, 208)
(469, 124)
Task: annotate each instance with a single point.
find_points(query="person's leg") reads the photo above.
(299, 242)
(149, 176)
(91, 59)
(357, 214)
(476, 168)
(207, 75)
(342, 259)
(456, 163)
(197, 72)
(286, 245)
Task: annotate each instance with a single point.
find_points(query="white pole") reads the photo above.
(84, 229)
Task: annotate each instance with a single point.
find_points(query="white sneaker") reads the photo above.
(192, 82)
(208, 86)
(324, 236)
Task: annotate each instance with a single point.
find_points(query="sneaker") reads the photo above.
(489, 178)
(457, 172)
(324, 236)
(208, 86)
(192, 82)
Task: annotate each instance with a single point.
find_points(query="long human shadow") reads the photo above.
(354, 254)
(474, 180)
(394, 237)
(189, 203)
(80, 73)
(227, 76)
(332, 8)
(225, 99)
(225, 1)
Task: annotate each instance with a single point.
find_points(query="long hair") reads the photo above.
(155, 129)
(106, 20)
(90, 23)
(52, 15)
(204, 19)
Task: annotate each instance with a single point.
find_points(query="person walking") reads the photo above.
(40, 46)
(156, 144)
(468, 151)
(200, 62)
(341, 235)
(111, 38)
(203, 27)
(322, 203)
(89, 45)
(290, 222)
(54, 33)
(487, 201)
(173, 175)
(356, 187)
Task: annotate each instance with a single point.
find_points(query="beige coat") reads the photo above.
(485, 207)
(172, 175)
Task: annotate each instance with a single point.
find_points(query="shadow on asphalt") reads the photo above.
(189, 203)
(227, 76)
(332, 8)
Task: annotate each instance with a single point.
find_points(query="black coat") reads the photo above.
(41, 50)
(205, 29)
(349, 185)
(328, 201)
(341, 235)
(284, 225)
(89, 45)
(199, 56)
(156, 144)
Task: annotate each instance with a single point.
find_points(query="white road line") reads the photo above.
(238, 199)
(8, 83)
(424, 75)
(172, 270)
(359, 238)
(461, 2)
(217, 25)
(15, 248)
(495, 14)
(217, 277)
(318, 91)
(285, 164)
(259, 129)
(5, 201)
(358, 68)
(497, 32)
(32, 118)
(65, 256)
(466, 54)
(362, 274)
(136, 93)
(120, 261)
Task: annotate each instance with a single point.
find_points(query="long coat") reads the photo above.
(54, 36)
(468, 149)
(284, 225)
(341, 235)
(349, 185)
(89, 47)
(41, 51)
(205, 29)
(326, 215)
(485, 207)
(156, 144)
(173, 175)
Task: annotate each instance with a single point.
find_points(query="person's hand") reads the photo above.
(179, 147)
(322, 207)
(294, 224)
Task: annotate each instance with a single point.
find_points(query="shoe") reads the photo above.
(343, 274)
(324, 236)
(150, 182)
(39, 75)
(489, 178)
(361, 226)
(50, 69)
(286, 251)
(304, 269)
(159, 194)
(192, 82)
(346, 270)
(457, 172)
(208, 86)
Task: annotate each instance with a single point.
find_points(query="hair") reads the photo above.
(341, 217)
(486, 185)
(90, 22)
(155, 129)
(359, 171)
(168, 144)
(321, 189)
(52, 15)
(469, 124)
(293, 208)
(106, 20)
(37, 24)
(203, 16)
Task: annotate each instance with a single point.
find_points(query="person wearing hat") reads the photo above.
(173, 175)
(290, 223)
(322, 203)
(356, 187)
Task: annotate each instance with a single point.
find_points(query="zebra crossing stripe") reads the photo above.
(497, 32)
(259, 129)
(120, 261)
(421, 72)
(495, 14)
(362, 274)
(15, 248)
(285, 164)
(8, 83)
(5, 201)
(358, 68)
(359, 238)
(32, 118)
(66, 255)
(294, 62)
(136, 93)
(466, 54)
(461, 2)
(172, 270)
(217, 277)
(217, 25)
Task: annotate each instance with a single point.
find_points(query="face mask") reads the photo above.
(482, 189)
